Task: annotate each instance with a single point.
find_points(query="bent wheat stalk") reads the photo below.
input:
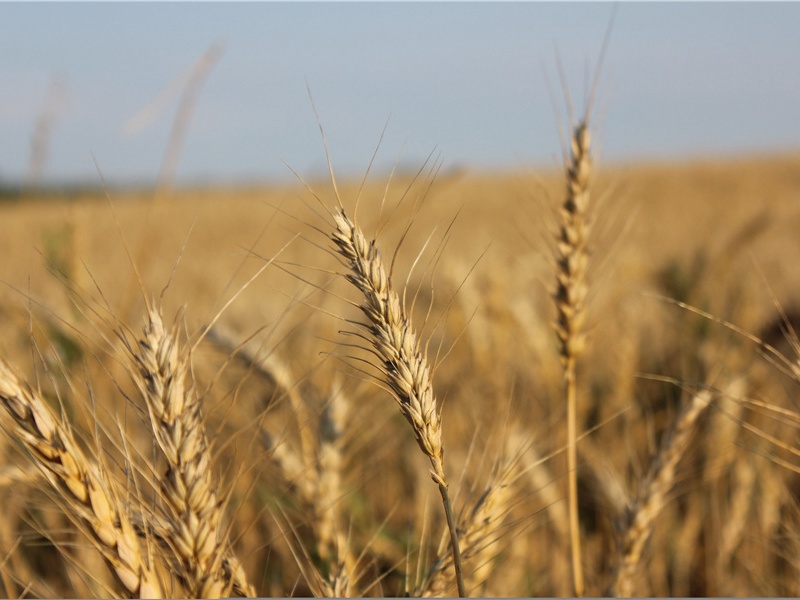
(570, 300)
(80, 485)
(187, 486)
(404, 364)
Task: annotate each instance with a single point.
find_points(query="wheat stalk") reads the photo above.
(188, 485)
(570, 300)
(81, 486)
(404, 363)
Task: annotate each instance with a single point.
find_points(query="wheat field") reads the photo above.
(357, 388)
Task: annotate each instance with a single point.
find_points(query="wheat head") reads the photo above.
(80, 485)
(404, 365)
(187, 487)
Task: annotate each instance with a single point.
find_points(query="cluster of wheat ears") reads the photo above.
(163, 508)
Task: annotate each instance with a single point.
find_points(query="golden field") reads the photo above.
(319, 485)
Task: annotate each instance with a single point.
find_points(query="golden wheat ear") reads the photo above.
(81, 486)
(479, 527)
(652, 496)
(188, 487)
(404, 366)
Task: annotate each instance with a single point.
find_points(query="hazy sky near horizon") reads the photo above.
(463, 80)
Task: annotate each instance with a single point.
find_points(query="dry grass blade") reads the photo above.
(404, 364)
(79, 484)
(188, 486)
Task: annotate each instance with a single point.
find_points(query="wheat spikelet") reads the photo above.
(571, 289)
(80, 484)
(404, 364)
(314, 473)
(188, 486)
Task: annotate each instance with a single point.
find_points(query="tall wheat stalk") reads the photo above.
(404, 364)
(570, 300)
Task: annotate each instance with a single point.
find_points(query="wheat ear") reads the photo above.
(404, 363)
(479, 530)
(188, 486)
(570, 300)
(81, 485)
(653, 493)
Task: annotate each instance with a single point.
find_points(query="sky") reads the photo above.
(475, 84)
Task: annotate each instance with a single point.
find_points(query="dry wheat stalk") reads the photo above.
(653, 493)
(188, 487)
(80, 485)
(570, 300)
(404, 363)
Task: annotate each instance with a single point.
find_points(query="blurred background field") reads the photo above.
(719, 235)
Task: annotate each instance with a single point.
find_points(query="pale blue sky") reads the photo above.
(465, 79)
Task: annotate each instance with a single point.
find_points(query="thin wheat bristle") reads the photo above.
(81, 486)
